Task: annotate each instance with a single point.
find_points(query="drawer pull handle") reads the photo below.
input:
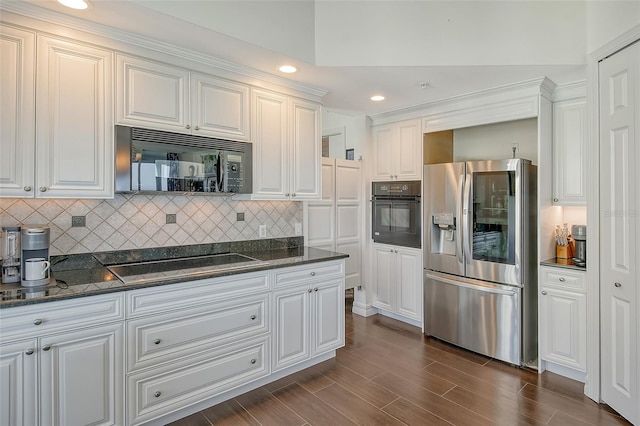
(313, 274)
(617, 284)
(253, 317)
(46, 348)
(157, 341)
(253, 361)
(37, 322)
(157, 394)
(561, 279)
(544, 293)
(29, 351)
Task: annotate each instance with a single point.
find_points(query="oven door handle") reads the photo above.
(485, 287)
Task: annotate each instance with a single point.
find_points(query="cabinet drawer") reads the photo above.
(564, 279)
(33, 320)
(296, 275)
(159, 391)
(160, 338)
(184, 295)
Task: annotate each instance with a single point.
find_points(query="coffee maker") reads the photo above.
(579, 234)
(35, 265)
(10, 254)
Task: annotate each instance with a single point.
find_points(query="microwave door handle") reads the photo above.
(468, 223)
(459, 221)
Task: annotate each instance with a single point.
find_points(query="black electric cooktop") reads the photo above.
(169, 269)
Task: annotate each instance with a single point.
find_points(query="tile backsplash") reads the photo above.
(140, 221)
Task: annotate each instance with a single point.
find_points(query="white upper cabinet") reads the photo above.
(74, 126)
(569, 156)
(397, 151)
(159, 96)
(17, 121)
(286, 162)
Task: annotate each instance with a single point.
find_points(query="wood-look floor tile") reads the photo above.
(359, 365)
(430, 401)
(197, 419)
(268, 409)
(355, 408)
(311, 408)
(420, 379)
(588, 412)
(562, 419)
(411, 414)
(229, 413)
(312, 378)
(447, 347)
(371, 392)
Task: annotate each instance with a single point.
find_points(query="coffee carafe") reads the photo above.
(35, 265)
(579, 234)
(10, 254)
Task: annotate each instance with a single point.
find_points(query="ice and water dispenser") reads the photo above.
(443, 233)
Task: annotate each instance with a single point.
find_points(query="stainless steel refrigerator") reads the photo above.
(480, 282)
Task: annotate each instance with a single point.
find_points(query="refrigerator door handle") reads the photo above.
(459, 235)
(484, 287)
(468, 218)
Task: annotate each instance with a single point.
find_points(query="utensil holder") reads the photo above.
(564, 252)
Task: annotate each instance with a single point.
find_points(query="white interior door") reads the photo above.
(348, 195)
(619, 82)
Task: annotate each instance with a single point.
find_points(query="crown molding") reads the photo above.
(52, 17)
(563, 92)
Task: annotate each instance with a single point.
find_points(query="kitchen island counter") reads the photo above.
(87, 274)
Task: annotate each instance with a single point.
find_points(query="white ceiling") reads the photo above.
(354, 49)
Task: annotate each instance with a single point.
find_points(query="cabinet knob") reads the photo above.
(46, 348)
(390, 176)
(617, 284)
(253, 317)
(293, 195)
(313, 274)
(315, 289)
(37, 321)
(197, 127)
(43, 189)
(555, 200)
(157, 341)
(395, 251)
(157, 394)
(188, 126)
(309, 291)
(29, 351)
(286, 195)
(544, 293)
(253, 361)
(27, 188)
(561, 279)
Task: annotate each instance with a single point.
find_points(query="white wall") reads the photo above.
(607, 20)
(493, 141)
(355, 128)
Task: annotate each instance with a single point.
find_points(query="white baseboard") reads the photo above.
(569, 372)
(363, 310)
(410, 321)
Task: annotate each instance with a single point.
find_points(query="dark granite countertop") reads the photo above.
(87, 274)
(562, 263)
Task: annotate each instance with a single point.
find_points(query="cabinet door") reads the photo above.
(327, 317)
(383, 277)
(291, 334)
(219, 108)
(305, 150)
(18, 383)
(382, 147)
(408, 275)
(71, 361)
(407, 150)
(151, 94)
(563, 328)
(270, 145)
(17, 121)
(569, 156)
(74, 132)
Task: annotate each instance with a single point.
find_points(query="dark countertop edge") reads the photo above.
(272, 264)
(554, 263)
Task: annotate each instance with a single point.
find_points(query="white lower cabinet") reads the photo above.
(309, 313)
(397, 280)
(66, 374)
(563, 304)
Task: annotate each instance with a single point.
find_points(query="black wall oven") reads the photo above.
(395, 212)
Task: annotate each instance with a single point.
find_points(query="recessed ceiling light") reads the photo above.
(377, 98)
(75, 4)
(289, 69)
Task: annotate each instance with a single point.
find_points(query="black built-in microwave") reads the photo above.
(395, 213)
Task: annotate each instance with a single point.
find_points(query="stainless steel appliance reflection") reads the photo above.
(480, 269)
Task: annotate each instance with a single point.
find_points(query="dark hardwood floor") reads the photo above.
(390, 374)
